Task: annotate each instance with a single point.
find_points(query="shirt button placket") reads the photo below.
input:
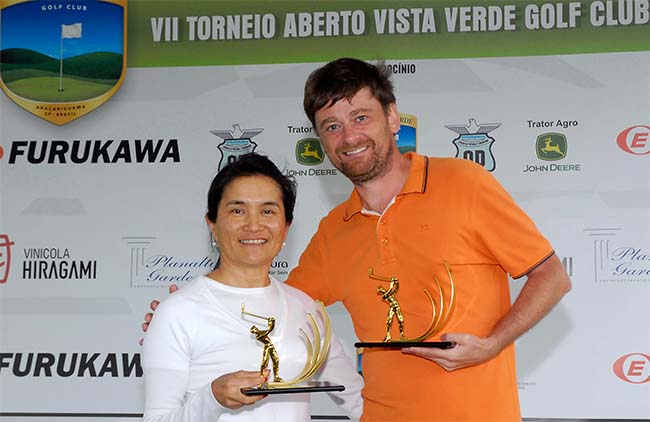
(384, 239)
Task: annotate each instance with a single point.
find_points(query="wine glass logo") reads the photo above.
(5, 257)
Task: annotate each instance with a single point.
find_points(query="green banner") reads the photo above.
(220, 32)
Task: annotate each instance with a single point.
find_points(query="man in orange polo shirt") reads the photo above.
(406, 215)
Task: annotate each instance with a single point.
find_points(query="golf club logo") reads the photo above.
(60, 60)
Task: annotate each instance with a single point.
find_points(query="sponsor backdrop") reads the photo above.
(117, 116)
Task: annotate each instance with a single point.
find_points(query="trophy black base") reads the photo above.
(398, 344)
(307, 387)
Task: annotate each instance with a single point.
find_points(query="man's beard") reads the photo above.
(379, 166)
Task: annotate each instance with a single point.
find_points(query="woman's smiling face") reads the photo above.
(250, 226)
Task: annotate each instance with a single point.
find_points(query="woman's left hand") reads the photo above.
(227, 388)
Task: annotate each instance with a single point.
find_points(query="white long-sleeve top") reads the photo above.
(199, 334)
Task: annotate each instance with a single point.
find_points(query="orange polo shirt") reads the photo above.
(449, 210)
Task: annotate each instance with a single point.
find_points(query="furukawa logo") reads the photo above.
(633, 368)
(635, 140)
(67, 364)
(95, 151)
(5, 257)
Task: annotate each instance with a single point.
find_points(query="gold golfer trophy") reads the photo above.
(441, 309)
(317, 347)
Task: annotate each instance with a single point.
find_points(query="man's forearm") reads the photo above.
(546, 285)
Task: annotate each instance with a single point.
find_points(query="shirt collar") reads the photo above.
(416, 182)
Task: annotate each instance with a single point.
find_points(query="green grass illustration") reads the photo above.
(46, 88)
(35, 76)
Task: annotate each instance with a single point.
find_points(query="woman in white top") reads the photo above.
(199, 350)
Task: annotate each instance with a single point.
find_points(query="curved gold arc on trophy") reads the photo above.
(323, 349)
(452, 296)
(309, 362)
(435, 317)
(441, 313)
(317, 350)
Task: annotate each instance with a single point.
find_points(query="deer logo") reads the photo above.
(309, 152)
(551, 146)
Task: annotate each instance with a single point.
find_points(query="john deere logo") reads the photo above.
(551, 146)
(60, 60)
(309, 152)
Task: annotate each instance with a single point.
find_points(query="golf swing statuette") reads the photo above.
(317, 348)
(441, 310)
(269, 351)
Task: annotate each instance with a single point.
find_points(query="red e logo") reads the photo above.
(633, 368)
(635, 140)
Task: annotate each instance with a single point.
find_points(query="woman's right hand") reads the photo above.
(227, 388)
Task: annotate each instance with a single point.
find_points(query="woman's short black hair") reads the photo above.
(251, 164)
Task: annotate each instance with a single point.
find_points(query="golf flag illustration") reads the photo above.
(71, 31)
(62, 79)
(67, 31)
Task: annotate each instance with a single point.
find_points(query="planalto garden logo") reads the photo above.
(60, 60)
(160, 269)
(619, 256)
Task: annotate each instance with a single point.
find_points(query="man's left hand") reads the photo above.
(469, 351)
